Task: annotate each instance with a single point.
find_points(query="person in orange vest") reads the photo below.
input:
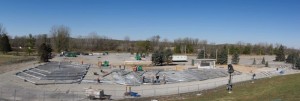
(134, 68)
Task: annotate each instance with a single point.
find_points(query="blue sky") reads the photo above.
(219, 21)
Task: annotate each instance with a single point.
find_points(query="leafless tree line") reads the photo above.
(61, 40)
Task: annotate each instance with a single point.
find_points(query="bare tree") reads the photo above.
(126, 44)
(61, 37)
(93, 42)
(19, 41)
(41, 38)
(155, 42)
(164, 44)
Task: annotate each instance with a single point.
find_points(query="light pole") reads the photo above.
(204, 53)
(216, 54)
(230, 71)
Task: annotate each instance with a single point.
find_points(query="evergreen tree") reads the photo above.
(168, 54)
(144, 46)
(289, 58)
(158, 57)
(254, 62)
(2, 31)
(223, 56)
(1, 42)
(263, 61)
(189, 48)
(298, 63)
(280, 54)
(292, 58)
(4, 43)
(247, 49)
(232, 49)
(235, 58)
(44, 52)
(267, 64)
(202, 55)
(212, 55)
(177, 49)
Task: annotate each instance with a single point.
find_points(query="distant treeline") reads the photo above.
(186, 45)
(60, 40)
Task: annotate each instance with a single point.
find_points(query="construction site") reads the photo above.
(54, 73)
(116, 76)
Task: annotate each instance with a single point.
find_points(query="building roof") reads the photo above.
(205, 59)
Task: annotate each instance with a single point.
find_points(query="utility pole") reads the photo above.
(294, 62)
(185, 49)
(217, 55)
(227, 50)
(204, 52)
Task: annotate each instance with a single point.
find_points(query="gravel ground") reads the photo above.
(71, 92)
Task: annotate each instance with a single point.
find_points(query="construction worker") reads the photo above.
(253, 77)
(143, 79)
(152, 79)
(98, 80)
(164, 79)
(157, 78)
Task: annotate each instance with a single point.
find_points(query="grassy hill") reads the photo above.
(10, 59)
(279, 88)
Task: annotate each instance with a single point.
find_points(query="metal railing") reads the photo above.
(23, 94)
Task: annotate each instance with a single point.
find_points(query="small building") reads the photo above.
(205, 63)
(179, 58)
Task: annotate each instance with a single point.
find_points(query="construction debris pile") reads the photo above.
(55, 73)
